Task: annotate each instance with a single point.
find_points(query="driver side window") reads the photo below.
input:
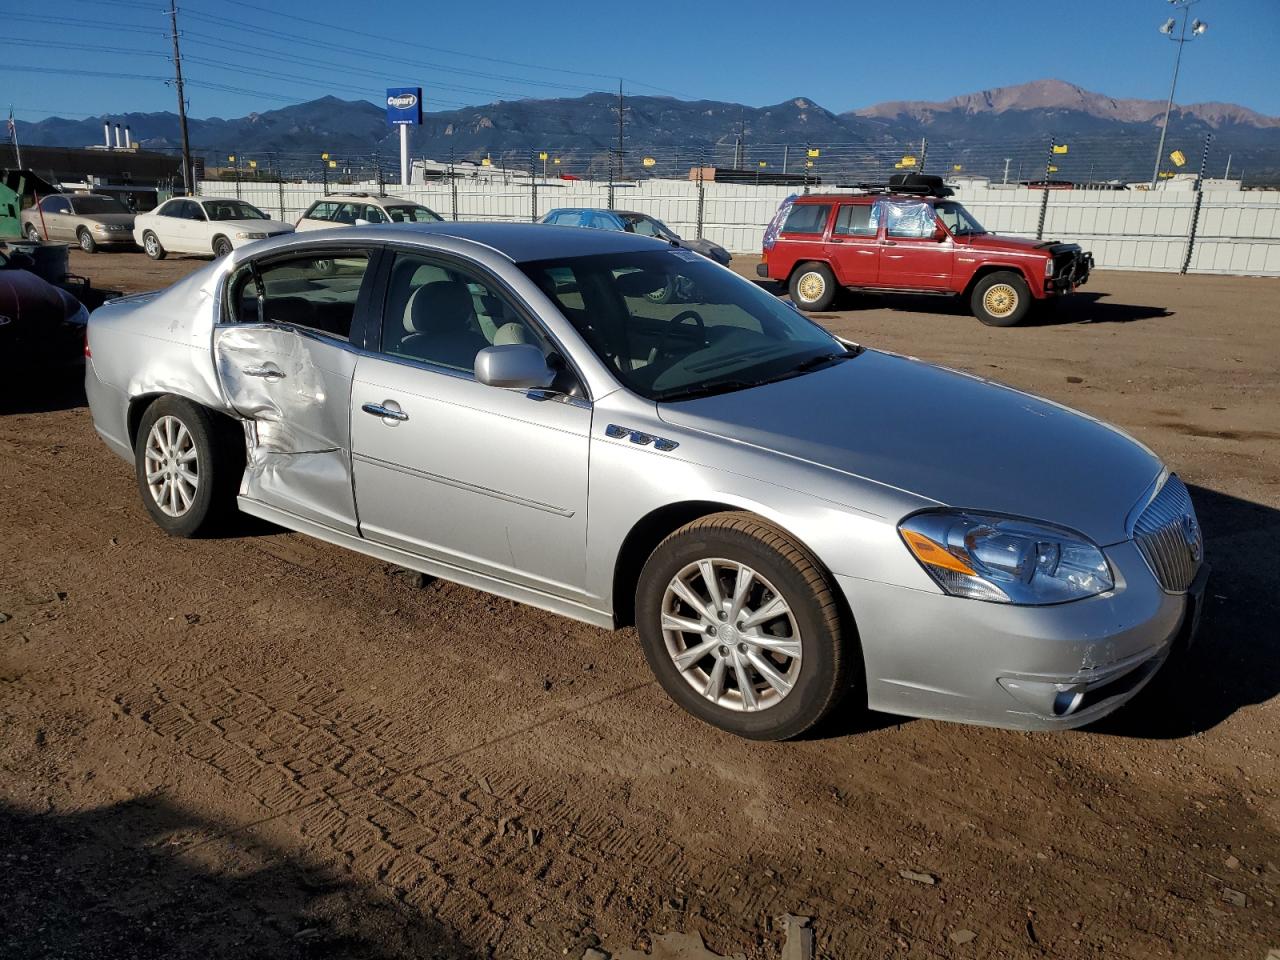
(440, 315)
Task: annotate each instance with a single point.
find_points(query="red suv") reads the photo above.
(909, 238)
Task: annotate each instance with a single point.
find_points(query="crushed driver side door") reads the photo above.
(285, 362)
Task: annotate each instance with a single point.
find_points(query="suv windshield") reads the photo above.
(91, 206)
(233, 210)
(412, 213)
(957, 219)
(672, 325)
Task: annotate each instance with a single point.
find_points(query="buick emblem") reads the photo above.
(1191, 533)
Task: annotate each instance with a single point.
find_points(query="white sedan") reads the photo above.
(203, 226)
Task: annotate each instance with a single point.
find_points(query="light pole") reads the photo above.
(1197, 27)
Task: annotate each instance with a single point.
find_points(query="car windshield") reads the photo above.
(233, 210)
(92, 206)
(412, 213)
(672, 325)
(957, 219)
(648, 226)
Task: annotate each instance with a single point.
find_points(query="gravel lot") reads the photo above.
(261, 745)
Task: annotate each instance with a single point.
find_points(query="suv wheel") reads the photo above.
(813, 287)
(187, 468)
(86, 241)
(741, 627)
(1001, 299)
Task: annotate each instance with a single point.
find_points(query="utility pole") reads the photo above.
(1006, 169)
(188, 174)
(785, 150)
(737, 148)
(621, 125)
(1197, 28)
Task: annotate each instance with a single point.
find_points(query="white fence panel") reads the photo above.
(1239, 232)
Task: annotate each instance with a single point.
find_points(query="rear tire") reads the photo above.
(1001, 299)
(188, 467)
(151, 244)
(792, 661)
(813, 287)
(86, 241)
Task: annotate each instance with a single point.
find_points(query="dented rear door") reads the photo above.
(291, 382)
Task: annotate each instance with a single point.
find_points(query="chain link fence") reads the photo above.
(728, 194)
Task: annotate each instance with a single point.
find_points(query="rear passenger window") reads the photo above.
(373, 215)
(315, 293)
(807, 218)
(857, 220)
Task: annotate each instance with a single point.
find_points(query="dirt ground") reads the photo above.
(264, 746)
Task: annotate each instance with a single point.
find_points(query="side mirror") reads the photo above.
(361, 222)
(519, 366)
(939, 234)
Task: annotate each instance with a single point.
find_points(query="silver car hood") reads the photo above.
(947, 436)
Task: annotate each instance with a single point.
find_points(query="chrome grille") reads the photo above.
(1169, 537)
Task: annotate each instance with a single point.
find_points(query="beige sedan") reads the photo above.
(90, 220)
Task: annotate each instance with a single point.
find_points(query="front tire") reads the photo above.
(187, 468)
(151, 244)
(32, 233)
(1001, 299)
(741, 626)
(221, 247)
(813, 287)
(86, 241)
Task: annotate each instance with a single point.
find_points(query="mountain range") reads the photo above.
(974, 132)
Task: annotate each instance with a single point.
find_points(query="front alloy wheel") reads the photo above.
(1001, 299)
(738, 648)
(741, 626)
(87, 243)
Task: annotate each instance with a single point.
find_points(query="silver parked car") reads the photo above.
(785, 517)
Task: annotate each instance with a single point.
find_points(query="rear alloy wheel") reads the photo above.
(86, 241)
(1001, 299)
(813, 287)
(741, 627)
(151, 244)
(221, 247)
(186, 467)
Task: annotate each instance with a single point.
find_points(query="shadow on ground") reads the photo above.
(1079, 307)
(144, 879)
(42, 391)
(1235, 662)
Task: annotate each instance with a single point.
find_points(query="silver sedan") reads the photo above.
(791, 521)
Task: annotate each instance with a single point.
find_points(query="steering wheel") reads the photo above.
(676, 321)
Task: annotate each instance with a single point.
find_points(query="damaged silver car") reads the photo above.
(791, 521)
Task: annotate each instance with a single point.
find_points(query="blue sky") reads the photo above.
(842, 54)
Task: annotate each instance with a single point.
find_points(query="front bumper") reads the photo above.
(1030, 668)
(1069, 273)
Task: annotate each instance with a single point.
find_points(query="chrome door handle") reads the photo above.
(387, 410)
(268, 371)
(889, 243)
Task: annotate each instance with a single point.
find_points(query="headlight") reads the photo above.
(1005, 559)
(250, 236)
(1048, 268)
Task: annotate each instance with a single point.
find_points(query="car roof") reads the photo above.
(368, 197)
(519, 242)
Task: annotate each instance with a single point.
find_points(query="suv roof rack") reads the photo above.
(916, 184)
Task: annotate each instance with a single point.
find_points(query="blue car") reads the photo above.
(629, 222)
